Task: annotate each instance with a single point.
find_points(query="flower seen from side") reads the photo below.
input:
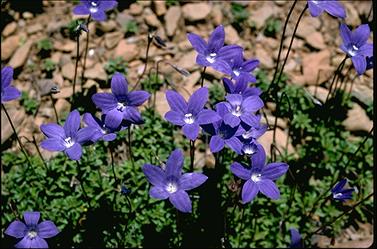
(8, 92)
(100, 130)
(95, 8)
(241, 70)
(240, 87)
(296, 240)
(316, 7)
(341, 194)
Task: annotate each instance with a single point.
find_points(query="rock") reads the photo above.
(96, 73)
(172, 19)
(44, 86)
(34, 28)
(68, 71)
(196, 11)
(9, 29)
(27, 15)
(231, 35)
(318, 92)
(136, 9)
(308, 25)
(62, 106)
(151, 20)
(8, 46)
(112, 39)
(66, 46)
(17, 116)
(281, 140)
(281, 123)
(352, 14)
(260, 15)
(21, 54)
(264, 57)
(55, 57)
(162, 105)
(127, 51)
(160, 7)
(65, 92)
(315, 40)
(188, 61)
(362, 93)
(191, 80)
(357, 119)
(107, 26)
(217, 15)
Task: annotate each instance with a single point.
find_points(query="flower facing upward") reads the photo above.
(96, 8)
(170, 183)
(214, 53)
(295, 239)
(33, 234)
(338, 193)
(240, 87)
(100, 130)
(8, 92)
(259, 177)
(355, 45)
(316, 7)
(68, 138)
(190, 114)
(241, 70)
(120, 104)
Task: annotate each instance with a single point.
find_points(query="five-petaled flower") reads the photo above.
(190, 114)
(33, 234)
(316, 7)
(240, 87)
(120, 104)
(259, 177)
(355, 45)
(214, 53)
(241, 70)
(338, 193)
(171, 183)
(296, 241)
(95, 8)
(68, 138)
(100, 130)
(8, 92)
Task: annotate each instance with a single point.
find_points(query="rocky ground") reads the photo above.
(313, 59)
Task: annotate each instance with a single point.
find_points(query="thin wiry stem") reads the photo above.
(39, 153)
(86, 49)
(130, 147)
(202, 77)
(337, 73)
(150, 38)
(77, 61)
(192, 155)
(82, 183)
(53, 106)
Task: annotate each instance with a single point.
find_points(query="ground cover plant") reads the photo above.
(193, 137)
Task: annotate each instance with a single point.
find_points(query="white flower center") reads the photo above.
(246, 135)
(121, 106)
(104, 130)
(337, 195)
(69, 142)
(171, 187)
(237, 111)
(32, 234)
(353, 50)
(315, 2)
(93, 10)
(248, 150)
(211, 57)
(236, 72)
(189, 119)
(94, 4)
(256, 177)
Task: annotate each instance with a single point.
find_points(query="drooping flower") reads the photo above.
(338, 193)
(68, 138)
(171, 183)
(100, 130)
(241, 109)
(8, 92)
(223, 134)
(355, 45)
(316, 7)
(240, 87)
(259, 177)
(296, 241)
(120, 104)
(370, 62)
(190, 114)
(214, 53)
(249, 136)
(95, 8)
(241, 70)
(33, 234)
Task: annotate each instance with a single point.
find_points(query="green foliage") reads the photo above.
(45, 45)
(115, 65)
(48, 65)
(130, 27)
(152, 83)
(273, 27)
(172, 2)
(30, 104)
(239, 13)
(216, 93)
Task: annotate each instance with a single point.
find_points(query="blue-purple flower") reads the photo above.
(68, 138)
(240, 87)
(249, 136)
(8, 92)
(120, 104)
(214, 53)
(100, 130)
(190, 115)
(95, 8)
(241, 109)
(338, 193)
(33, 234)
(241, 70)
(171, 183)
(355, 45)
(296, 241)
(316, 7)
(259, 177)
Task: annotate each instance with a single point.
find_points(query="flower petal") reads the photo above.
(231, 120)
(197, 43)
(314, 9)
(154, 174)
(234, 99)
(360, 64)
(252, 103)
(190, 181)
(197, 100)
(216, 144)
(207, 116)
(114, 118)
(81, 9)
(16, 229)
(6, 76)
(259, 157)
(158, 193)
(181, 201)
(249, 119)
(366, 50)
(91, 120)
(216, 40)
(119, 85)
(175, 118)
(240, 171)
(100, 15)
(31, 218)
(202, 61)
(222, 66)
(85, 134)
(334, 9)
(234, 144)
(53, 144)
(109, 137)
(273, 171)
(52, 130)
(295, 238)
(176, 101)
(229, 52)
(47, 229)
(108, 5)
(228, 85)
(37, 242)
(249, 191)
(269, 189)
(345, 33)
(136, 98)
(250, 65)
(105, 101)
(133, 115)
(72, 123)
(191, 131)
(174, 163)
(10, 93)
(74, 152)
(360, 35)
(339, 186)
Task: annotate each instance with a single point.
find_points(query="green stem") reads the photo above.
(86, 50)
(192, 155)
(80, 178)
(202, 77)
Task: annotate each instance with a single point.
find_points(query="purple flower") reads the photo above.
(249, 136)
(214, 53)
(241, 70)
(8, 92)
(259, 177)
(100, 130)
(241, 109)
(332, 7)
(355, 45)
(341, 194)
(223, 134)
(190, 115)
(95, 8)
(33, 234)
(170, 183)
(369, 62)
(68, 138)
(120, 104)
(240, 87)
(295, 239)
